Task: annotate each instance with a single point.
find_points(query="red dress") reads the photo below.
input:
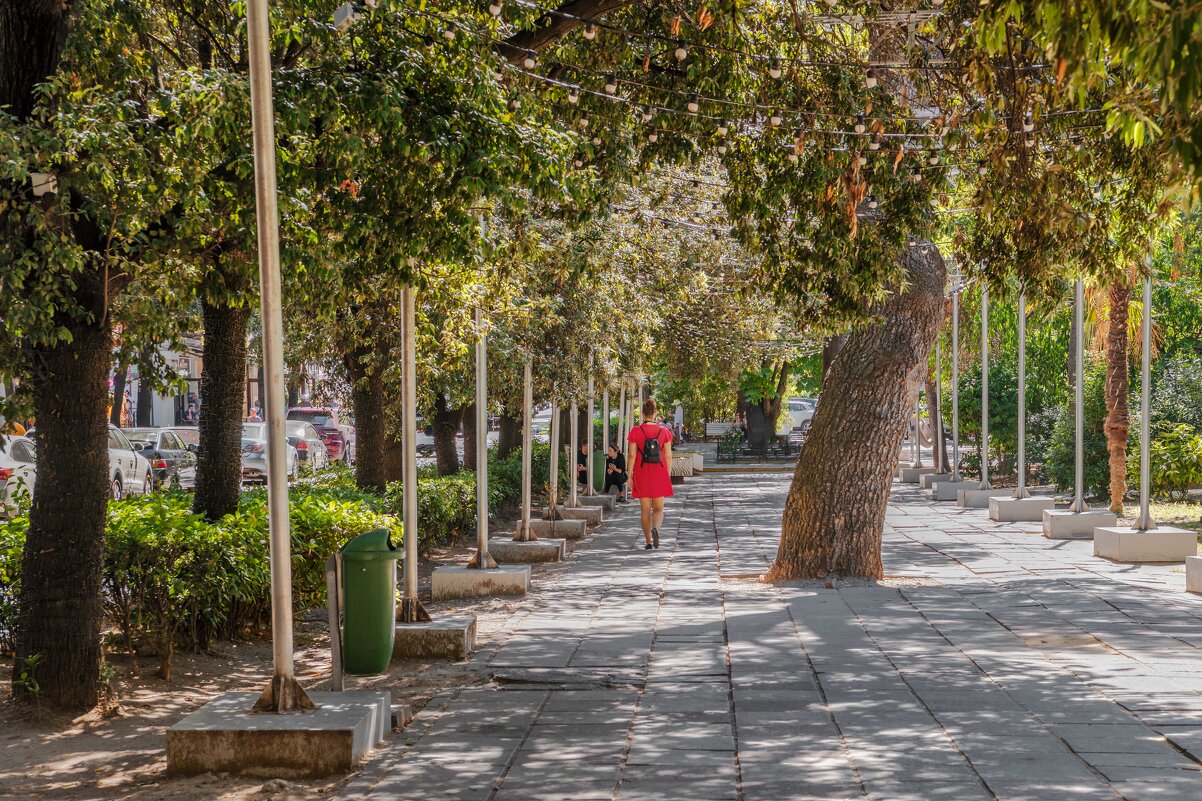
(650, 480)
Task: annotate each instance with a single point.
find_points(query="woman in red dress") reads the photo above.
(650, 476)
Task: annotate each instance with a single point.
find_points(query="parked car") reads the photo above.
(189, 434)
(801, 412)
(129, 471)
(308, 443)
(338, 436)
(172, 462)
(254, 453)
(18, 471)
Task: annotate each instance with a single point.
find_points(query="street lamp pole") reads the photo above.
(284, 693)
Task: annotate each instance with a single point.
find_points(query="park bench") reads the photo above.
(716, 430)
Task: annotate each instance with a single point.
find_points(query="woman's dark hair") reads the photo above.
(649, 408)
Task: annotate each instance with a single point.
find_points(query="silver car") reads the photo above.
(18, 472)
(254, 453)
(308, 443)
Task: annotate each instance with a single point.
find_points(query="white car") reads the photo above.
(129, 471)
(801, 412)
(18, 470)
(254, 454)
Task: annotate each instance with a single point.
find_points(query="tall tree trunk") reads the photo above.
(368, 399)
(835, 512)
(934, 416)
(118, 394)
(508, 438)
(219, 462)
(446, 426)
(394, 456)
(61, 610)
(1118, 417)
(469, 437)
(145, 416)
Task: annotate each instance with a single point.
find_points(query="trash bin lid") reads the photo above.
(376, 544)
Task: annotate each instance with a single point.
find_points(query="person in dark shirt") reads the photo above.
(582, 465)
(615, 472)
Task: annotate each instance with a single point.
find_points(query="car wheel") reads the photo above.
(115, 489)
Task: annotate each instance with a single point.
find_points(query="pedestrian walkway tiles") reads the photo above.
(992, 664)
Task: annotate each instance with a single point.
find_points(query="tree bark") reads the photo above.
(60, 607)
(551, 26)
(32, 35)
(368, 399)
(469, 437)
(394, 459)
(219, 462)
(835, 512)
(145, 416)
(446, 425)
(1118, 416)
(830, 350)
(508, 439)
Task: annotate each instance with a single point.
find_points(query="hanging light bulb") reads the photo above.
(1030, 142)
(590, 31)
(937, 2)
(528, 61)
(584, 121)
(611, 85)
(830, 3)
(573, 96)
(723, 128)
(916, 176)
(982, 169)
(933, 160)
(448, 34)
(774, 120)
(652, 137)
(515, 104)
(596, 140)
(792, 156)
(494, 8)
(647, 115)
(872, 204)
(579, 163)
(694, 104)
(722, 147)
(859, 126)
(1028, 123)
(875, 144)
(681, 52)
(774, 69)
(870, 79)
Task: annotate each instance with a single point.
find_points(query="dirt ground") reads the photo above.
(120, 755)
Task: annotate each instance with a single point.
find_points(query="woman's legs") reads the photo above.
(657, 505)
(645, 509)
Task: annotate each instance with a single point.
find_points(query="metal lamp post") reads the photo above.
(940, 459)
(1078, 504)
(574, 435)
(956, 382)
(524, 534)
(553, 497)
(588, 436)
(984, 386)
(1021, 490)
(482, 559)
(412, 610)
(918, 428)
(283, 693)
(1145, 522)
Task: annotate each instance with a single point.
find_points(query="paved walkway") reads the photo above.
(994, 664)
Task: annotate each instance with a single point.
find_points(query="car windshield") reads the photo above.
(141, 435)
(296, 428)
(318, 417)
(254, 432)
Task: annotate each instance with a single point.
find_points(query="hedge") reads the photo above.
(171, 578)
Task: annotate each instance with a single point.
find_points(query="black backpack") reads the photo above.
(651, 448)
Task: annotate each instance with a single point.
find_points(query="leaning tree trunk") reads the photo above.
(222, 382)
(1118, 417)
(835, 512)
(469, 437)
(368, 399)
(446, 426)
(61, 611)
(507, 437)
(830, 350)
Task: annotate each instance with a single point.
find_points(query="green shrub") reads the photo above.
(1175, 458)
(1061, 451)
(1177, 395)
(172, 578)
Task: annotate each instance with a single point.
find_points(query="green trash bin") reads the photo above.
(599, 470)
(368, 602)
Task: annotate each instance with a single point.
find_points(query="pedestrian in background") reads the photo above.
(651, 470)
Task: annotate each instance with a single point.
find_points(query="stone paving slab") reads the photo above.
(994, 664)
